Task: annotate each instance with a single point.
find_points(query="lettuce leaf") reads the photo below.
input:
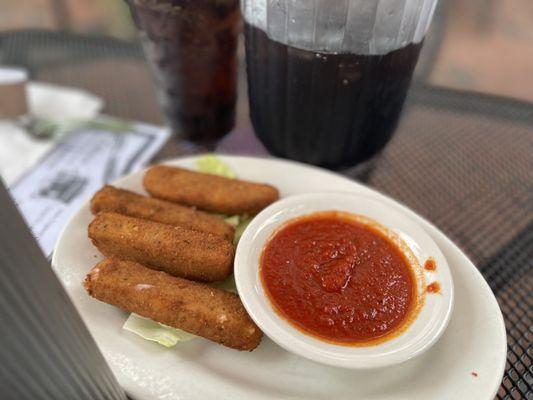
(155, 331)
(227, 284)
(166, 335)
(211, 164)
(233, 220)
(244, 220)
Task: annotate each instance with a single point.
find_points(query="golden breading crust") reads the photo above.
(208, 192)
(111, 199)
(194, 307)
(173, 249)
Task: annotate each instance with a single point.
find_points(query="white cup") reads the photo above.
(13, 98)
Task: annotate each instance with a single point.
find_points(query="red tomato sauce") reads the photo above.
(338, 279)
(433, 287)
(430, 265)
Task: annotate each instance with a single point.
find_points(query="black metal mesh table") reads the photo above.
(462, 160)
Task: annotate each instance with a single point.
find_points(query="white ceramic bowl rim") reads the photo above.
(424, 331)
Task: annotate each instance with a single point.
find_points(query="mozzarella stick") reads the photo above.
(194, 307)
(111, 199)
(173, 249)
(208, 192)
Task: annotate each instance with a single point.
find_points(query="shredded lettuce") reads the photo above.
(166, 335)
(156, 332)
(233, 220)
(244, 220)
(227, 284)
(211, 164)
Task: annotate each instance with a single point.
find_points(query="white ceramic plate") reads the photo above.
(425, 330)
(475, 340)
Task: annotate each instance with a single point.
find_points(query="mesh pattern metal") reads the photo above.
(110, 68)
(465, 162)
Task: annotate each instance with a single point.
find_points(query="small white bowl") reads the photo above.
(419, 336)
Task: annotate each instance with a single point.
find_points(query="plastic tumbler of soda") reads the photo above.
(327, 79)
(190, 46)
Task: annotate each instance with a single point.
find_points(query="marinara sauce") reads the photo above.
(339, 279)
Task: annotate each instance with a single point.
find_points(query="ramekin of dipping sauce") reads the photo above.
(339, 278)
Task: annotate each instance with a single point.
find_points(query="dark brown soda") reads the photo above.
(190, 46)
(332, 110)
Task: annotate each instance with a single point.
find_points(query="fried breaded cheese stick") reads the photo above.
(128, 203)
(199, 309)
(208, 192)
(173, 249)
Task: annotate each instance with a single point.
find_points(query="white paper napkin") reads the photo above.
(18, 150)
